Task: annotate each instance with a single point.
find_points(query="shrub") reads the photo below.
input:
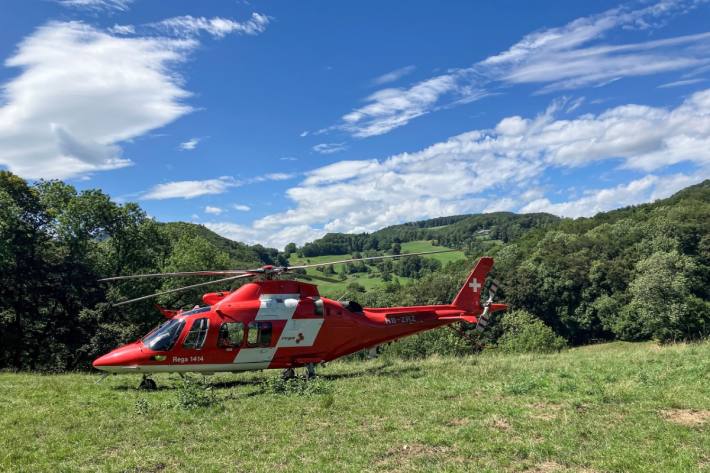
(443, 341)
(192, 394)
(295, 386)
(523, 332)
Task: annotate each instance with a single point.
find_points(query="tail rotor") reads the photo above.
(489, 307)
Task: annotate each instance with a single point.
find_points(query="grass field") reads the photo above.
(616, 407)
(331, 286)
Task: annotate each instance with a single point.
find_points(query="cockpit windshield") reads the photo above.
(163, 338)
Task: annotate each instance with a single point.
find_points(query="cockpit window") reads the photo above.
(163, 338)
(197, 334)
(198, 310)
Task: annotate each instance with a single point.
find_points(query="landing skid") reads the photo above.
(290, 373)
(147, 384)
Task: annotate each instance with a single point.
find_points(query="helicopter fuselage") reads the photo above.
(281, 324)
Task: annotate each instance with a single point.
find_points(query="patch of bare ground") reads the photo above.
(499, 423)
(545, 467)
(554, 467)
(687, 417)
(401, 455)
(458, 422)
(544, 411)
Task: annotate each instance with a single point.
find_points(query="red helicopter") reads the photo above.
(282, 324)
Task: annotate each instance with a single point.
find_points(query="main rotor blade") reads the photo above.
(178, 274)
(369, 258)
(181, 289)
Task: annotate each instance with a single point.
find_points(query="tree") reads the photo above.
(523, 332)
(290, 249)
(663, 304)
(191, 254)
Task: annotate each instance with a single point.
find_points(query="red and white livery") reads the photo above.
(285, 324)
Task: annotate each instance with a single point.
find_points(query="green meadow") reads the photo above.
(617, 407)
(332, 286)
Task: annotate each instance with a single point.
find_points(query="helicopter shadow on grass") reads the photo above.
(384, 370)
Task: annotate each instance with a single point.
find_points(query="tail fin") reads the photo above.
(469, 297)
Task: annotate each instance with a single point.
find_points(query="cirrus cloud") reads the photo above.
(560, 58)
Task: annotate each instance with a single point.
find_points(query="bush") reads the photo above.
(192, 394)
(444, 341)
(523, 332)
(295, 386)
(355, 287)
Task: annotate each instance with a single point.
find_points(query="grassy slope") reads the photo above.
(422, 246)
(330, 286)
(614, 407)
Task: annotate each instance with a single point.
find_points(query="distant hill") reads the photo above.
(459, 231)
(256, 255)
(455, 231)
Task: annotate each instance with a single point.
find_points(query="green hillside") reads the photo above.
(607, 408)
(638, 273)
(238, 252)
(335, 286)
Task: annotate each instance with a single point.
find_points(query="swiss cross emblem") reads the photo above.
(299, 338)
(475, 285)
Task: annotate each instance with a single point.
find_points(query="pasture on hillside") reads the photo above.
(613, 407)
(332, 286)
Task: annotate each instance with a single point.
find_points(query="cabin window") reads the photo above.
(231, 335)
(195, 338)
(259, 334)
(164, 337)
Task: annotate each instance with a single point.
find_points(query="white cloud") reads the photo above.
(218, 27)
(288, 158)
(241, 207)
(189, 144)
(388, 109)
(274, 176)
(646, 189)
(680, 83)
(575, 104)
(393, 76)
(120, 5)
(497, 169)
(280, 239)
(192, 189)
(213, 210)
(122, 29)
(561, 58)
(80, 93)
(329, 148)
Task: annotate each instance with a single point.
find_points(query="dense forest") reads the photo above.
(456, 232)
(636, 273)
(55, 243)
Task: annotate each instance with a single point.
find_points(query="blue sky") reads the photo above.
(273, 122)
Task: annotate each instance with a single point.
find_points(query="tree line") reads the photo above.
(55, 243)
(637, 273)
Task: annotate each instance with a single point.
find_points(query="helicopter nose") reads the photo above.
(126, 358)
